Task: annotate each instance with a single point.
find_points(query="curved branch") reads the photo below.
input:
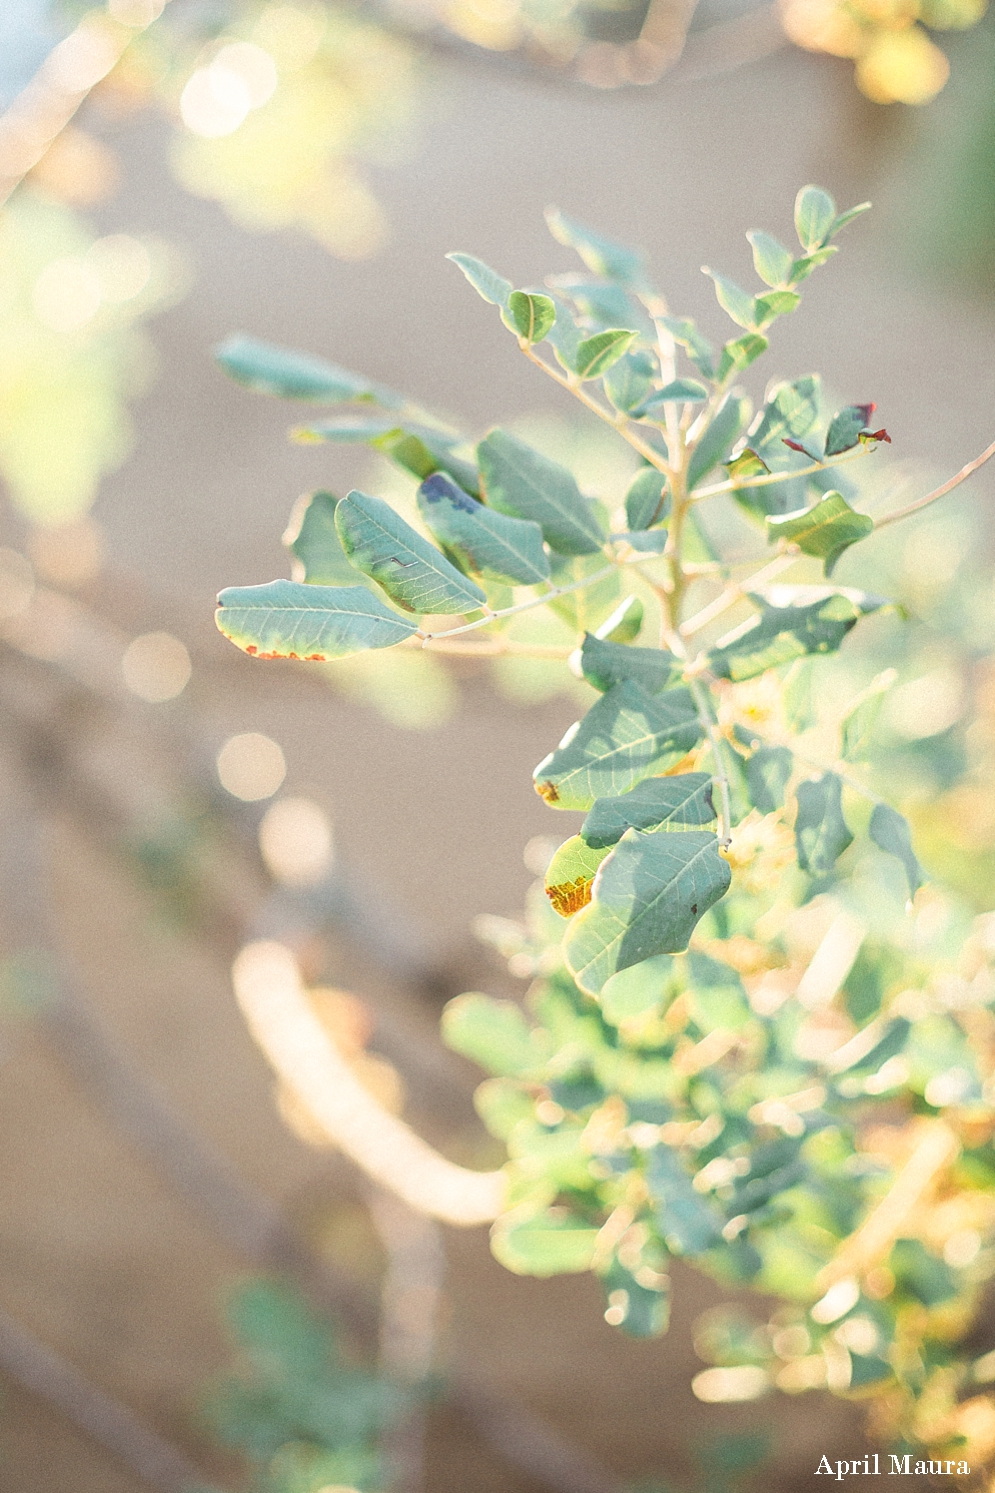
(272, 998)
(938, 492)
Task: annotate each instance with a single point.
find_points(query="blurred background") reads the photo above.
(176, 1248)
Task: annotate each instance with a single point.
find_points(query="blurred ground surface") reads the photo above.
(101, 1259)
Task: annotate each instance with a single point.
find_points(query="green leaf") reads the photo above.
(533, 315)
(792, 411)
(494, 1034)
(745, 465)
(595, 355)
(295, 375)
(698, 348)
(493, 287)
(565, 335)
(519, 480)
(717, 439)
(605, 305)
(734, 301)
(420, 449)
(601, 255)
(481, 539)
(684, 801)
(679, 390)
(624, 623)
(821, 833)
(802, 268)
(775, 303)
(570, 873)
(553, 1242)
(740, 353)
(767, 773)
(648, 898)
(861, 718)
(605, 664)
(793, 621)
(313, 540)
(290, 619)
(640, 1310)
(847, 217)
(771, 260)
(890, 832)
(638, 990)
(815, 214)
(846, 427)
(623, 738)
(629, 381)
(688, 1224)
(648, 499)
(825, 530)
(411, 571)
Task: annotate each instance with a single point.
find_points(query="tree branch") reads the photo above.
(938, 492)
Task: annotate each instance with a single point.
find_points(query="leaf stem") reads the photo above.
(618, 423)
(489, 647)
(736, 590)
(768, 479)
(938, 492)
(522, 606)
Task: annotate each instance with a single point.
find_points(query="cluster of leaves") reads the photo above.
(302, 1417)
(896, 59)
(739, 1049)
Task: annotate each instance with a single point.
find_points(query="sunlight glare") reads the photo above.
(251, 766)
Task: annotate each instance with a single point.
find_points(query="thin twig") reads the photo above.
(737, 591)
(767, 479)
(938, 492)
(524, 606)
(618, 423)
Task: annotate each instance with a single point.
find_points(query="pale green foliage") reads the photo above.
(727, 990)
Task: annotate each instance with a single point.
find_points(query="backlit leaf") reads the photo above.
(595, 355)
(553, 1242)
(740, 353)
(682, 801)
(494, 1034)
(775, 303)
(746, 464)
(678, 391)
(824, 530)
(606, 663)
(802, 268)
(718, 438)
(771, 260)
(848, 216)
(623, 738)
(483, 540)
(698, 348)
(890, 832)
(418, 448)
(521, 481)
(638, 990)
(411, 571)
(647, 500)
(493, 287)
(793, 621)
(601, 255)
(647, 900)
(815, 215)
(570, 873)
(296, 375)
(629, 381)
(821, 832)
(624, 623)
(734, 301)
(846, 426)
(861, 718)
(312, 538)
(533, 315)
(290, 619)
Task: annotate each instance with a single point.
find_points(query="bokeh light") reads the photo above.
(295, 839)
(68, 554)
(156, 667)
(251, 766)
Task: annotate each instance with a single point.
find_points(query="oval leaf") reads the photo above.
(821, 832)
(595, 355)
(295, 375)
(519, 480)
(647, 500)
(890, 832)
(533, 315)
(411, 571)
(289, 619)
(793, 621)
(815, 215)
(481, 539)
(683, 801)
(647, 899)
(570, 873)
(626, 736)
(604, 663)
(488, 284)
(824, 530)
(313, 540)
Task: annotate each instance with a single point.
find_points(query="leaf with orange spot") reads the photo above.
(571, 873)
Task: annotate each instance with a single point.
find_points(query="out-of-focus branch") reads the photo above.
(41, 1371)
(41, 111)
(276, 1008)
(937, 1149)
